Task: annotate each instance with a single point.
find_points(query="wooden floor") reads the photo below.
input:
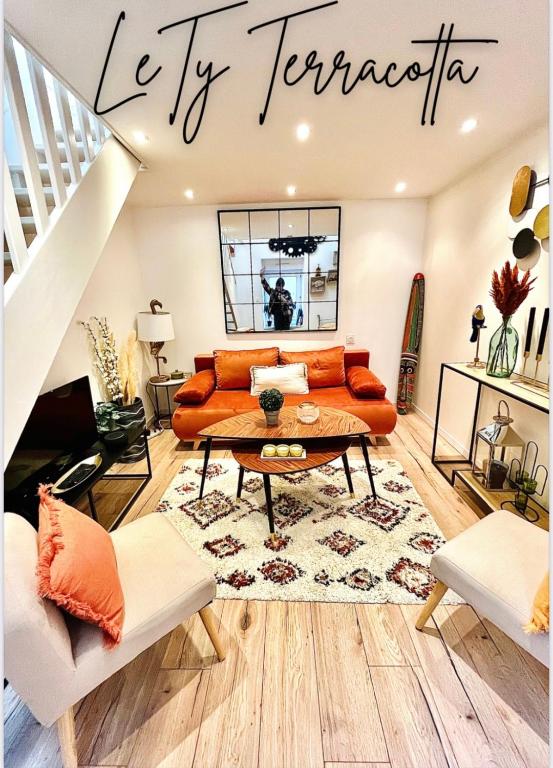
(311, 685)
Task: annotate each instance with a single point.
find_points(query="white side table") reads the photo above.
(165, 385)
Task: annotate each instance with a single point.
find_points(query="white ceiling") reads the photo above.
(361, 144)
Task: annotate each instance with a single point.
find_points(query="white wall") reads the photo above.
(381, 250)
(115, 291)
(466, 239)
(40, 301)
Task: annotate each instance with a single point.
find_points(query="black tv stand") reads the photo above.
(24, 500)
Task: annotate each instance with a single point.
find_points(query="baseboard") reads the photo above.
(459, 447)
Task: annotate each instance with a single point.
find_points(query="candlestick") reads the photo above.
(543, 333)
(529, 330)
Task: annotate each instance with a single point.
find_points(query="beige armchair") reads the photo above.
(496, 565)
(52, 660)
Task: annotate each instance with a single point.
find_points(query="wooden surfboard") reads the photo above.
(410, 347)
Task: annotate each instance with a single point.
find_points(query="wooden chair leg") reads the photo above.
(435, 596)
(210, 625)
(66, 735)
(196, 445)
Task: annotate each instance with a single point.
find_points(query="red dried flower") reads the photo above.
(507, 291)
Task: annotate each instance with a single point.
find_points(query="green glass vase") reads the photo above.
(502, 355)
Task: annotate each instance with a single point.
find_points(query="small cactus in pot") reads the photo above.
(271, 401)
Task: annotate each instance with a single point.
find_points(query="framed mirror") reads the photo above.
(280, 269)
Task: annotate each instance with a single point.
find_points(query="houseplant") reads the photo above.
(271, 401)
(118, 376)
(508, 293)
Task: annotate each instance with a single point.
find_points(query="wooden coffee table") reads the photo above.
(326, 440)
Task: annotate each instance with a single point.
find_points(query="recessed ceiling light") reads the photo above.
(469, 125)
(401, 186)
(189, 193)
(291, 190)
(140, 137)
(302, 132)
(290, 226)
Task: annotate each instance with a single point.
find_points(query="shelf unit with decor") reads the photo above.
(458, 468)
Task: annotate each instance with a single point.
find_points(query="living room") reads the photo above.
(349, 570)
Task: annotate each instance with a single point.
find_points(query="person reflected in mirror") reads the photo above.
(281, 303)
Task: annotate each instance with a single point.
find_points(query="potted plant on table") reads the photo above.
(271, 401)
(118, 375)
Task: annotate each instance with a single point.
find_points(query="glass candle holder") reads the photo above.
(529, 485)
(520, 477)
(307, 412)
(521, 501)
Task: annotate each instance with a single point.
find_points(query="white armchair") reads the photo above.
(52, 660)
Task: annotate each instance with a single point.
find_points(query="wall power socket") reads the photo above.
(350, 341)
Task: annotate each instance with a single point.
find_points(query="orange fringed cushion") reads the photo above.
(364, 383)
(232, 369)
(325, 367)
(197, 389)
(540, 611)
(77, 568)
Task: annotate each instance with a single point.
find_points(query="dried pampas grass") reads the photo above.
(127, 369)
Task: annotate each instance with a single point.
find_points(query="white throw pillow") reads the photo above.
(289, 379)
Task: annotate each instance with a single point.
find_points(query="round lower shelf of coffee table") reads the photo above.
(319, 452)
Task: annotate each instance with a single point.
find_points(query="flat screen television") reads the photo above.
(62, 426)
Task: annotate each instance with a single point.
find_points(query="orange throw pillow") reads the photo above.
(540, 610)
(77, 568)
(196, 389)
(325, 367)
(232, 369)
(364, 383)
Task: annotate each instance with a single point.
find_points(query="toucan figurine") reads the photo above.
(478, 321)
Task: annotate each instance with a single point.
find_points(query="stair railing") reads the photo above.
(51, 140)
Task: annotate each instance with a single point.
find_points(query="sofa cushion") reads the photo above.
(77, 568)
(325, 366)
(189, 420)
(232, 368)
(364, 383)
(196, 389)
(288, 379)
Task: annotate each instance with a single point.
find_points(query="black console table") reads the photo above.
(24, 500)
(459, 468)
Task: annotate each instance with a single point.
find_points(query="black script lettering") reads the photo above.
(455, 69)
(204, 90)
(141, 63)
(285, 20)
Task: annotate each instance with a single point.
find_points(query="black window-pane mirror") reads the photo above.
(280, 269)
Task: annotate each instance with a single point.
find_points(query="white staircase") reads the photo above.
(50, 140)
(65, 182)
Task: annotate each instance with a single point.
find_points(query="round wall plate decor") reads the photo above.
(524, 221)
(526, 250)
(541, 223)
(524, 243)
(521, 188)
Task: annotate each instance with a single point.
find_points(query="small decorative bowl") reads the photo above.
(307, 412)
(296, 450)
(283, 450)
(269, 450)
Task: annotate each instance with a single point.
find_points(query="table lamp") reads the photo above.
(157, 328)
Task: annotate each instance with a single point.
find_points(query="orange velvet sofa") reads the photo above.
(217, 404)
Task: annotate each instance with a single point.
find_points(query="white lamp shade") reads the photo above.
(155, 327)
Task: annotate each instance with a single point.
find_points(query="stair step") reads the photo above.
(41, 153)
(18, 176)
(22, 196)
(28, 224)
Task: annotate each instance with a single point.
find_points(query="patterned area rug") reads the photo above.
(329, 547)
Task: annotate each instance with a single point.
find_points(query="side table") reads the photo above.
(164, 385)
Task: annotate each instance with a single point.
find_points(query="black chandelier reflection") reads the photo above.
(296, 246)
